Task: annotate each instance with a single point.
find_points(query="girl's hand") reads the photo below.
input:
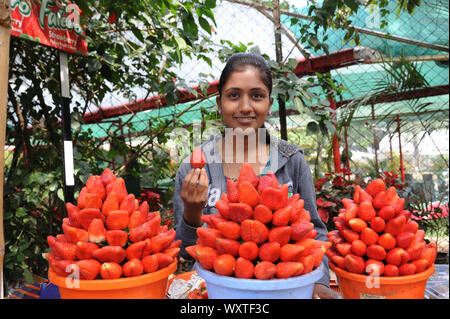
(323, 292)
(194, 193)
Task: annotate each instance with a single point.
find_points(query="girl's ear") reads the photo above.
(218, 102)
(270, 102)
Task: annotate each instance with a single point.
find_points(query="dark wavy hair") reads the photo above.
(239, 61)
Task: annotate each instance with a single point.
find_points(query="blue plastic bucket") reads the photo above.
(224, 287)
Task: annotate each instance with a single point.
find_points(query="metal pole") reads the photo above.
(69, 181)
(279, 57)
(375, 140)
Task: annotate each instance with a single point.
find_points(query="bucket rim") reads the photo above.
(260, 284)
(384, 280)
(119, 283)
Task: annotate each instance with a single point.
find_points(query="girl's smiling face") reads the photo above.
(245, 99)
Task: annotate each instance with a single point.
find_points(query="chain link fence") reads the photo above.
(394, 102)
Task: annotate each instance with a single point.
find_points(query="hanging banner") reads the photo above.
(49, 23)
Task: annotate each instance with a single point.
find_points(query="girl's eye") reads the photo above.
(258, 96)
(233, 95)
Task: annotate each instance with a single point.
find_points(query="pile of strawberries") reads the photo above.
(109, 235)
(259, 232)
(375, 235)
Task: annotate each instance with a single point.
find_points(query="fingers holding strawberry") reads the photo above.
(194, 193)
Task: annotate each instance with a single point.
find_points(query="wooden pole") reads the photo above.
(5, 36)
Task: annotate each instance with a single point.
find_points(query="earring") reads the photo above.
(269, 112)
(220, 111)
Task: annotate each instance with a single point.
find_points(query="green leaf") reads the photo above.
(21, 212)
(204, 24)
(60, 194)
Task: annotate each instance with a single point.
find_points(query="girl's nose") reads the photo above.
(245, 105)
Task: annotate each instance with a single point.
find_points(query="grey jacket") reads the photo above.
(288, 164)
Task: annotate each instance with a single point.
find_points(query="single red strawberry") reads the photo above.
(269, 251)
(153, 225)
(150, 263)
(300, 229)
(111, 203)
(229, 229)
(172, 252)
(62, 267)
(404, 239)
(85, 250)
(227, 246)
(133, 267)
(96, 231)
(73, 212)
(117, 186)
(110, 270)
(74, 234)
(208, 236)
(164, 260)
(117, 219)
(280, 234)
(94, 184)
(239, 212)
(249, 250)
(86, 216)
(253, 230)
(376, 252)
(137, 218)
(110, 253)
(93, 200)
(344, 248)
(162, 240)
(275, 183)
(137, 234)
(81, 201)
(89, 268)
(248, 194)
(232, 191)
(407, 269)
(136, 250)
(376, 186)
(117, 238)
(290, 252)
(391, 271)
(128, 204)
(354, 264)
(264, 182)
(198, 159)
(359, 247)
(265, 270)
(386, 212)
(262, 214)
(395, 225)
(107, 176)
(224, 265)
(204, 255)
(273, 198)
(248, 174)
(286, 269)
(244, 268)
(387, 241)
(61, 250)
(297, 209)
(223, 208)
(397, 256)
(282, 216)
